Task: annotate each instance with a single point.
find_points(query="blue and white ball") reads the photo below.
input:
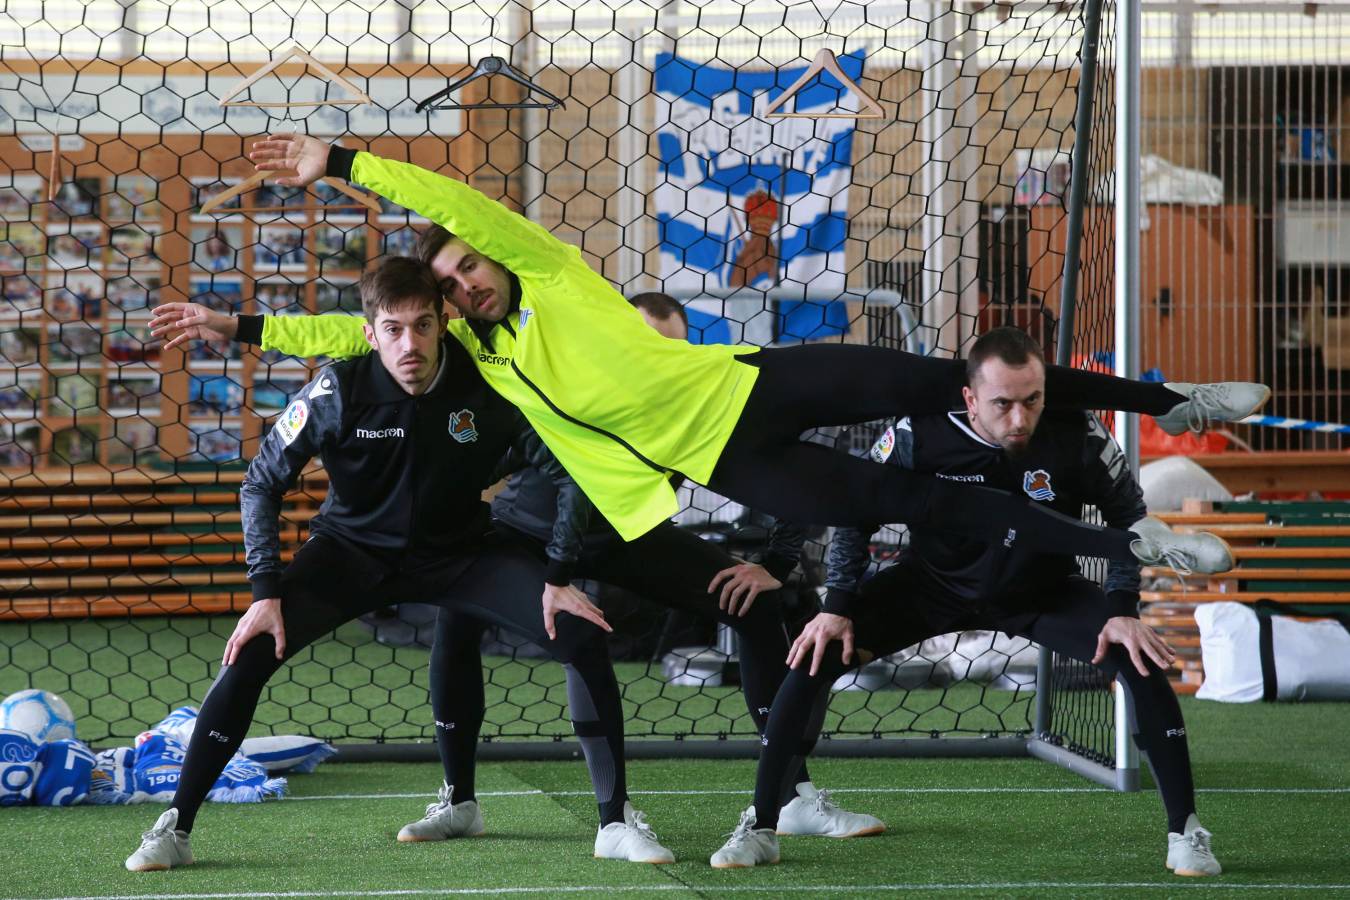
(41, 715)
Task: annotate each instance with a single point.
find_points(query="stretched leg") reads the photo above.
(804, 482)
(673, 567)
(504, 585)
(1072, 630)
(457, 701)
(892, 614)
(327, 583)
(843, 384)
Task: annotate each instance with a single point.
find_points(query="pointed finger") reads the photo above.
(817, 656)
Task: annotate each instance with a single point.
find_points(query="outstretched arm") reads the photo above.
(337, 335)
(522, 246)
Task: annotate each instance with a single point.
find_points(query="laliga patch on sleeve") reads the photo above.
(293, 421)
(881, 450)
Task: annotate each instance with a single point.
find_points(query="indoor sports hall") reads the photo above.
(288, 283)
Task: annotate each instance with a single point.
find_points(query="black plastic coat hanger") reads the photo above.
(487, 67)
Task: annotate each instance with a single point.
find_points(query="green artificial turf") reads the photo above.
(1275, 782)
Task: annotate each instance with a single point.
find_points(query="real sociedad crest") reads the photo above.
(462, 427)
(1037, 485)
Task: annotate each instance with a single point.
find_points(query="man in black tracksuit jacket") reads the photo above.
(410, 436)
(944, 583)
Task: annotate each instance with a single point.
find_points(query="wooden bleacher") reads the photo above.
(86, 542)
(1291, 552)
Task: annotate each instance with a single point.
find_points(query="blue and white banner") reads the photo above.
(746, 201)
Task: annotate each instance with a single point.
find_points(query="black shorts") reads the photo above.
(332, 580)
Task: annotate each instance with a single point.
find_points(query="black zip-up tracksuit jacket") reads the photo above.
(1070, 462)
(406, 473)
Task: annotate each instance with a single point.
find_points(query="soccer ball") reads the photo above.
(40, 714)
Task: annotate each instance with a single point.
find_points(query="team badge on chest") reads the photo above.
(462, 427)
(1037, 485)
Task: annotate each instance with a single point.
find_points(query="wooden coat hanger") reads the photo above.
(56, 175)
(297, 53)
(488, 66)
(825, 62)
(212, 206)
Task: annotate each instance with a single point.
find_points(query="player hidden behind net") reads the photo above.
(943, 583)
(621, 407)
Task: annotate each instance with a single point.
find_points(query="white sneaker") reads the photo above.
(1189, 853)
(811, 812)
(632, 840)
(747, 846)
(162, 847)
(1224, 401)
(445, 820)
(1159, 545)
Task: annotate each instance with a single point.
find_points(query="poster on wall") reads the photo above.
(746, 201)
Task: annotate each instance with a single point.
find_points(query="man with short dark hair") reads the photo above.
(409, 436)
(663, 312)
(944, 583)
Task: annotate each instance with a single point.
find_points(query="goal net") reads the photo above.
(945, 215)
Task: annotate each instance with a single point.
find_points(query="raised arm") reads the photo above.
(520, 245)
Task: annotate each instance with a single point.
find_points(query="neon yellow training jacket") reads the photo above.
(617, 403)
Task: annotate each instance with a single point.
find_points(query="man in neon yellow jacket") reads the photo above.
(620, 407)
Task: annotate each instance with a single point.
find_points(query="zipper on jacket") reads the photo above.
(573, 419)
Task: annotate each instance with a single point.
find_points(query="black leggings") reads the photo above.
(668, 566)
(767, 467)
(900, 608)
(331, 581)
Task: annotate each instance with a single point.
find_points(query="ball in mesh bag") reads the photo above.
(41, 715)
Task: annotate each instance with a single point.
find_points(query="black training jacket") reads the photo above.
(405, 473)
(1072, 461)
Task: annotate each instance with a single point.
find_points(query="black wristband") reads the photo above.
(1123, 603)
(340, 161)
(839, 602)
(250, 330)
(266, 585)
(559, 572)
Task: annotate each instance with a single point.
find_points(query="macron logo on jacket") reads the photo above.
(379, 433)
